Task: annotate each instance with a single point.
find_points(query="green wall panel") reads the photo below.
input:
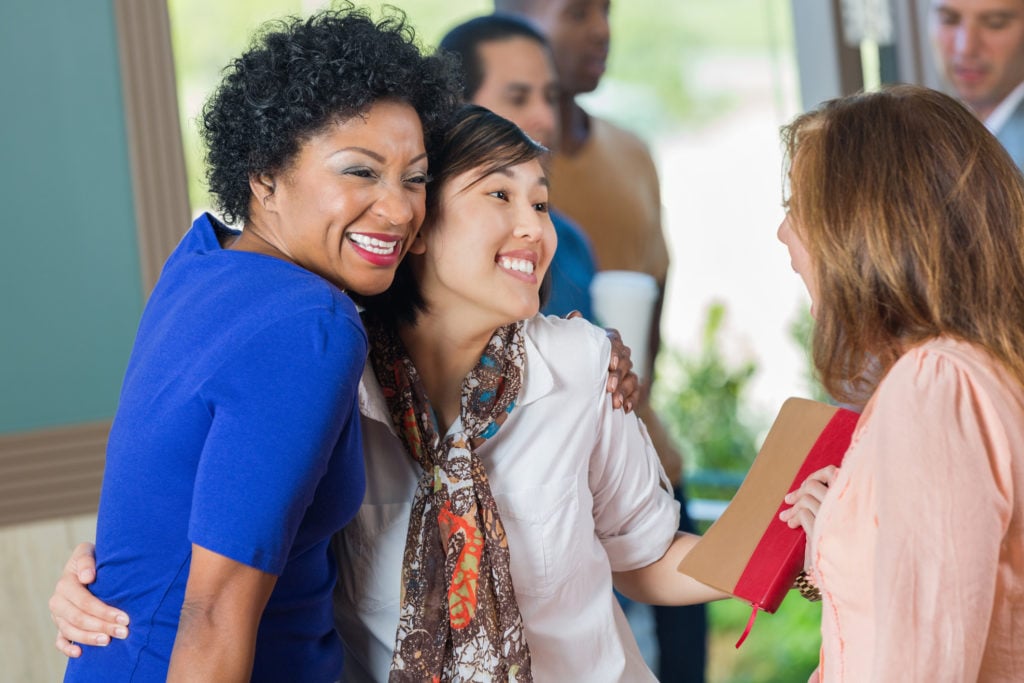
(70, 285)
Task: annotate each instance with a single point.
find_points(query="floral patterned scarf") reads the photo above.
(459, 619)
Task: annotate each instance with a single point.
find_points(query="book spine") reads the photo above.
(779, 555)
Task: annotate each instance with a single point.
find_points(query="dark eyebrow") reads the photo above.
(543, 180)
(1000, 14)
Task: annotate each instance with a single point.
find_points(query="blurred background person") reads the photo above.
(979, 50)
(604, 178)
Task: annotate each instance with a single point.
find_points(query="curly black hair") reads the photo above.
(300, 75)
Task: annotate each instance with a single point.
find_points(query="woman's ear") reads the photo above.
(262, 187)
(419, 245)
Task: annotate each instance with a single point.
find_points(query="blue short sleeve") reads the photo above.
(278, 406)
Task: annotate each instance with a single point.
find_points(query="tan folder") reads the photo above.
(749, 553)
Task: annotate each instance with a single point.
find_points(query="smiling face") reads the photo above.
(980, 48)
(579, 33)
(519, 83)
(350, 203)
(486, 251)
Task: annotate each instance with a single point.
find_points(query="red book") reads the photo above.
(749, 553)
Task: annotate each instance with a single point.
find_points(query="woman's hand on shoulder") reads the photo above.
(623, 384)
(79, 615)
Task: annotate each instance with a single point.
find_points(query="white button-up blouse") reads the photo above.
(580, 492)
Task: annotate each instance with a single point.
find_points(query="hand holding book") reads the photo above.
(750, 552)
(806, 500)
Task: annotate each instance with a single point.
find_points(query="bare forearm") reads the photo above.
(211, 649)
(216, 639)
(660, 583)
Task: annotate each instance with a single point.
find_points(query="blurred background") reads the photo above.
(103, 173)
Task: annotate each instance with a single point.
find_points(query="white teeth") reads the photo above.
(517, 264)
(373, 245)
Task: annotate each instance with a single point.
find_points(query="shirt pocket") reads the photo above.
(370, 552)
(542, 524)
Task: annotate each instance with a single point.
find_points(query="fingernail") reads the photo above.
(615, 363)
(121, 632)
(122, 619)
(614, 383)
(629, 406)
(102, 639)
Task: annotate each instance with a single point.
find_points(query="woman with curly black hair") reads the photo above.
(490, 534)
(236, 453)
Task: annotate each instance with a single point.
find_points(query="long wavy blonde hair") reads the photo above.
(913, 215)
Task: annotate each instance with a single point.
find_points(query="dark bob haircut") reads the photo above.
(465, 39)
(300, 75)
(478, 140)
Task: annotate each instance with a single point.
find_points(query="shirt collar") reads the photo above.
(538, 381)
(1001, 114)
(372, 404)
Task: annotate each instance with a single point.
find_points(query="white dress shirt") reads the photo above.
(1004, 110)
(580, 492)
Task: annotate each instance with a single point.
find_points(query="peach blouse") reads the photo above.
(919, 544)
